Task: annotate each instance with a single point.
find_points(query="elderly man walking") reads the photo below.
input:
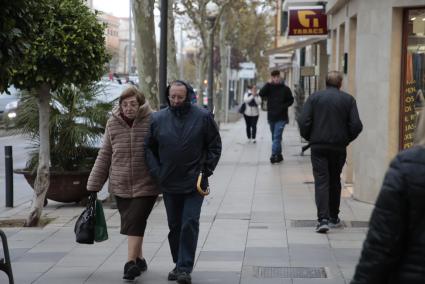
(183, 142)
(329, 121)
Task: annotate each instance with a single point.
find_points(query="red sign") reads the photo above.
(307, 21)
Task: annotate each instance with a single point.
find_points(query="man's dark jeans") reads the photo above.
(327, 167)
(183, 211)
(276, 128)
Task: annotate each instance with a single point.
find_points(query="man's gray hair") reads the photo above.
(420, 129)
(334, 79)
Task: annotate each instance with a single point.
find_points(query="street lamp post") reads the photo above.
(212, 13)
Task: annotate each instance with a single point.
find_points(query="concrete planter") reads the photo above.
(64, 186)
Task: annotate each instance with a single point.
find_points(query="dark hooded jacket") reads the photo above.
(394, 249)
(182, 142)
(279, 98)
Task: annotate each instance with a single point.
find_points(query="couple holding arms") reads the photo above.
(145, 153)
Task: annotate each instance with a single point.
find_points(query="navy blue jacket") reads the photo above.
(180, 145)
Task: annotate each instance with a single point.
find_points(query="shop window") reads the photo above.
(413, 84)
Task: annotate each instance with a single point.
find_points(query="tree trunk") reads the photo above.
(224, 63)
(202, 65)
(144, 27)
(172, 69)
(42, 181)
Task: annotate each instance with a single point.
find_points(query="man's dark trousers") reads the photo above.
(327, 167)
(183, 212)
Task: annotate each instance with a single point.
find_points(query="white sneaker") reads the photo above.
(249, 140)
(254, 141)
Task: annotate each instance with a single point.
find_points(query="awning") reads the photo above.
(293, 46)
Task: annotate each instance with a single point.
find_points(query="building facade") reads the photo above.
(379, 46)
(112, 40)
(124, 53)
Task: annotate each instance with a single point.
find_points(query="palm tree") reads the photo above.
(77, 123)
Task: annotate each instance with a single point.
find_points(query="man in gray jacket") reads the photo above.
(329, 121)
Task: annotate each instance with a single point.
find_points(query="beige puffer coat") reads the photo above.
(122, 158)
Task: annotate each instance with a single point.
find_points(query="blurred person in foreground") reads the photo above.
(394, 249)
(121, 159)
(183, 143)
(329, 122)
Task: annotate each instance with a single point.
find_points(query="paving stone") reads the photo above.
(212, 277)
(317, 255)
(266, 256)
(221, 256)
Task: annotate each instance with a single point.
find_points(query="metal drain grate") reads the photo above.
(289, 272)
(308, 182)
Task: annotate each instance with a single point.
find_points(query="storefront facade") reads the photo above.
(380, 48)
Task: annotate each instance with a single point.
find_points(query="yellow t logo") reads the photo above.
(304, 18)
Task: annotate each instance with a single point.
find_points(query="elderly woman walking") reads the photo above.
(121, 159)
(394, 249)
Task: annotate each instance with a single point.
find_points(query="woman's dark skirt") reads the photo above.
(134, 214)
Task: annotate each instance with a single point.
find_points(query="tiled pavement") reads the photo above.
(255, 228)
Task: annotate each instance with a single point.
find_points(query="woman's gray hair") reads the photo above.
(420, 129)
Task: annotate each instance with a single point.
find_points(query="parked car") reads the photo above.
(8, 105)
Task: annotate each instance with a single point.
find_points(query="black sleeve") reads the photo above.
(355, 125)
(289, 98)
(305, 122)
(383, 245)
(151, 151)
(264, 92)
(213, 146)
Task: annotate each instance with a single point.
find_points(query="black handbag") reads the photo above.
(242, 108)
(85, 226)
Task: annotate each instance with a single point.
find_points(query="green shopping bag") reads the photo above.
(100, 229)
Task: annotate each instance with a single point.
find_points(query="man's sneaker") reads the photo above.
(184, 278)
(323, 226)
(172, 275)
(131, 271)
(141, 263)
(335, 223)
